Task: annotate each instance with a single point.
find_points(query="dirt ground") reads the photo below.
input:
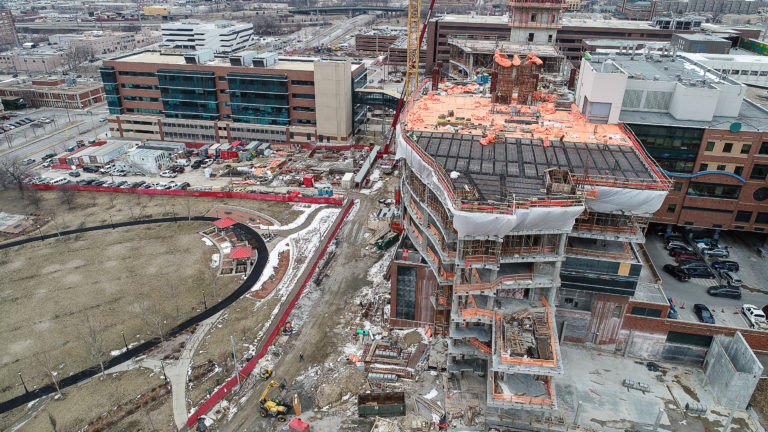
(79, 209)
(86, 402)
(121, 279)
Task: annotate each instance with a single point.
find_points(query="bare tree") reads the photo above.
(34, 197)
(143, 306)
(45, 360)
(68, 196)
(211, 271)
(92, 336)
(52, 420)
(157, 316)
(188, 205)
(13, 171)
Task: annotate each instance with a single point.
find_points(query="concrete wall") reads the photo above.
(601, 88)
(732, 371)
(693, 103)
(333, 99)
(729, 99)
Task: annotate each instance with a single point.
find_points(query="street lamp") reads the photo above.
(124, 341)
(41, 233)
(110, 221)
(205, 304)
(22, 383)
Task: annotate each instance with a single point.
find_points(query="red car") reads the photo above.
(177, 169)
(686, 257)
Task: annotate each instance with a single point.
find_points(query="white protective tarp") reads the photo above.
(634, 202)
(478, 224)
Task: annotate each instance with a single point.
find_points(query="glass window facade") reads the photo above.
(674, 148)
(758, 172)
(259, 98)
(188, 94)
(108, 75)
(713, 190)
(743, 216)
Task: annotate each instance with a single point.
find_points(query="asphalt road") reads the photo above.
(29, 142)
(695, 291)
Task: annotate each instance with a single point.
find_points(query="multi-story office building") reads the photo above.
(637, 10)
(36, 60)
(57, 93)
(698, 126)
(517, 212)
(202, 98)
(219, 36)
(99, 42)
(701, 43)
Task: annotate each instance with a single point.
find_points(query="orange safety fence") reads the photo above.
(535, 400)
(416, 210)
(474, 312)
(433, 256)
(462, 288)
(415, 231)
(581, 226)
(528, 250)
(481, 259)
(525, 360)
(446, 275)
(484, 348)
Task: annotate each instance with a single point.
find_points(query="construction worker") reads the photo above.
(301, 356)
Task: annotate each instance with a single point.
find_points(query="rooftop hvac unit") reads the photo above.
(243, 59)
(199, 57)
(265, 59)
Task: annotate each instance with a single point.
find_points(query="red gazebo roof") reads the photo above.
(240, 252)
(224, 222)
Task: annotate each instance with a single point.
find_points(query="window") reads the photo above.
(710, 146)
(309, 137)
(222, 78)
(762, 219)
(727, 147)
(617, 312)
(738, 170)
(721, 167)
(549, 38)
(758, 172)
(738, 227)
(649, 312)
(716, 226)
(688, 223)
(320, 138)
(758, 229)
(533, 17)
(291, 135)
(743, 216)
(530, 37)
(761, 194)
(745, 148)
(763, 149)
(678, 186)
(753, 73)
(713, 190)
(703, 167)
(303, 96)
(302, 83)
(671, 208)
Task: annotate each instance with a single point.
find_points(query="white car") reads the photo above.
(27, 161)
(168, 173)
(60, 181)
(755, 316)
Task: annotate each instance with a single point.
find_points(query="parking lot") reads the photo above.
(725, 311)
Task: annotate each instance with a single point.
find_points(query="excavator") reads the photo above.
(275, 407)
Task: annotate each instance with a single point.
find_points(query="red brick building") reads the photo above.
(56, 93)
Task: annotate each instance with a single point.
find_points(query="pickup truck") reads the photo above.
(755, 316)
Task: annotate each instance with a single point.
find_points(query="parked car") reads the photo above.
(74, 173)
(90, 169)
(703, 314)
(60, 181)
(676, 272)
(196, 164)
(98, 183)
(720, 252)
(207, 162)
(724, 291)
(48, 156)
(693, 264)
(709, 241)
(27, 161)
(168, 173)
(731, 266)
(120, 183)
(683, 257)
(177, 169)
(755, 316)
(181, 186)
(47, 164)
(675, 251)
(678, 244)
(701, 272)
(730, 278)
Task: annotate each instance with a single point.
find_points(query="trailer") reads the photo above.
(387, 404)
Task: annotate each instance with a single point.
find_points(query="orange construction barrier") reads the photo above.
(501, 59)
(355, 359)
(428, 331)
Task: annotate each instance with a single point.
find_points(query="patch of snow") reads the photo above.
(215, 258)
(207, 242)
(377, 186)
(226, 247)
(305, 208)
(274, 258)
(117, 352)
(431, 394)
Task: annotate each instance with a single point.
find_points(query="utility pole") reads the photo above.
(22, 383)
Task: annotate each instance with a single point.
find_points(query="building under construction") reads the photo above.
(514, 205)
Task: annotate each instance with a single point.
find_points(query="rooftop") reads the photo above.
(508, 47)
(702, 37)
(656, 67)
(741, 57)
(79, 85)
(752, 117)
(524, 143)
(284, 63)
(479, 19)
(607, 24)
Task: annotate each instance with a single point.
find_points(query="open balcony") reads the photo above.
(518, 391)
(610, 226)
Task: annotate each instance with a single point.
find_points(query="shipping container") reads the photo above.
(348, 181)
(309, 180)
(381, 404)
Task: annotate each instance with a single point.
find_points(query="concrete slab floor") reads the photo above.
(595, 379)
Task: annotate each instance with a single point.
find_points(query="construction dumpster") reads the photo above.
(387, 404)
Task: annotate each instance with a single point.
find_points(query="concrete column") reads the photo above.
(658, 419)
(562, 331)
(578, 414)
(716, 235)
(669, 228)
(629, 342)
(728, 421)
